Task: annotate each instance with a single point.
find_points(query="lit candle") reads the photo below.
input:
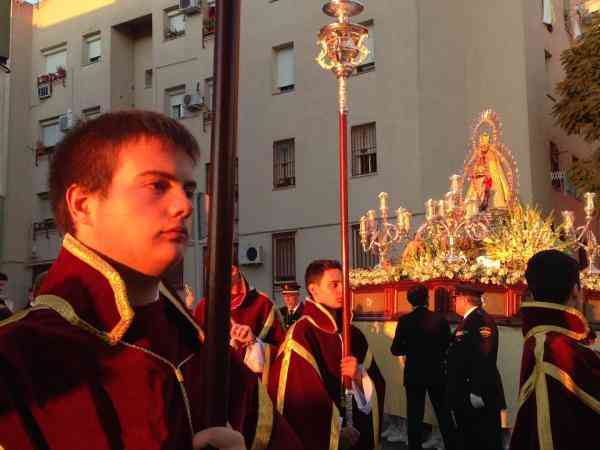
(372, 218)
(441, 208)
(400, 217)
(568, 220)
(407, 216)
(363, 229)
(383, 196)
(589, 203)
(455, 184)
(429, 209)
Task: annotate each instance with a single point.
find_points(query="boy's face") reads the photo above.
(142, 221)
(329, 291)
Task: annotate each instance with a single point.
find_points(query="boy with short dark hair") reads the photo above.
(108, 357)
(559, 401)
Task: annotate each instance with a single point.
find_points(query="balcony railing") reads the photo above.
(561, 183)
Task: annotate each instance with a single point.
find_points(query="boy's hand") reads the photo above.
(222, 438)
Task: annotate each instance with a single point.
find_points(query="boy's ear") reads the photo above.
(79, 203)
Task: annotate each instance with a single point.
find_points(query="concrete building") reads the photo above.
(434, 67)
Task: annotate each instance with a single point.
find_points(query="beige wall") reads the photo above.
(438, 64)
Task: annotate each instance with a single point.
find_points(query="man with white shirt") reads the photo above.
(306, 376)
(474, 390)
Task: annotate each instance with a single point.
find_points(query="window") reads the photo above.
(369, 63)
(174, 23)
(364, 149)
(92, 48)
(91, 113)
(55, 58)
(175, 108)
(283, 163)
(148, 76)
(284, 257)
(50, 133)
(284, 68)
(360, 259)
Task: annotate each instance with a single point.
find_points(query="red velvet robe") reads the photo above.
(259, 313)
(82, 369)
(559, 399)
(305, 381)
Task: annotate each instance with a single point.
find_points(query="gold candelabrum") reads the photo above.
(378, 236)
(583, 236)
(343, 48)
(453, 218)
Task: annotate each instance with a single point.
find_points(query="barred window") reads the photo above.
(361, 259)
(364, 149)
(284, 257)
(283, 163)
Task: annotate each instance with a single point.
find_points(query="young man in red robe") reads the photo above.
(108, 357)
(306, 377)
(559, 398)
(256, 329)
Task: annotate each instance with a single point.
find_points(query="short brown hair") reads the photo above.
(88, 154)
(316, 269)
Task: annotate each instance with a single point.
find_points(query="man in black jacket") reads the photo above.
(474, 393)
(423, 337)
(293, 308)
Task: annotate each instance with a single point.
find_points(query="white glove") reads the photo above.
(476, 401)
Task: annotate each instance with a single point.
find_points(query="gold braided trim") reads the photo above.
(526, 390)
(557, 307)
(268, 324)
(164, 291)
(16, 317)
(115, 281)
(288, 347)
(267, 366)
(336, 425)
(565, 379)
(264, 424)
(64, 309)
(541, 397)
(543, 329)
(368, 361)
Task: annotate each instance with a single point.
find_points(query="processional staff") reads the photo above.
(342, 50)
(220, 232)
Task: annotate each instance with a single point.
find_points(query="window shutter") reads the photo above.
(94, 49)
(55, 60)
(285, 67)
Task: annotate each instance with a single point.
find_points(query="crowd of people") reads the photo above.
(108, 356)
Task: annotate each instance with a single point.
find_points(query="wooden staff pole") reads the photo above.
(220, 234)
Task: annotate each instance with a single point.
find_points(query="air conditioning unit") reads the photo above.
(44, 90)
(193, 102)
(251, 254)
(66, 122)
(189, 7)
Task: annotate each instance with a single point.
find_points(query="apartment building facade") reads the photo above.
(434, 66)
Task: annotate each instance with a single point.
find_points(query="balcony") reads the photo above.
(562, 184)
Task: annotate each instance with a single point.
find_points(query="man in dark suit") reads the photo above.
(293, 306)
(474, 391)
(423, 337)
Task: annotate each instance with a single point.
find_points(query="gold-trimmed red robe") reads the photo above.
(84, 369)
(559, 398)
(306, 385)
(258, 312)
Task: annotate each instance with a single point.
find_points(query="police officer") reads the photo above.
(474, 391)
(293, 306)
